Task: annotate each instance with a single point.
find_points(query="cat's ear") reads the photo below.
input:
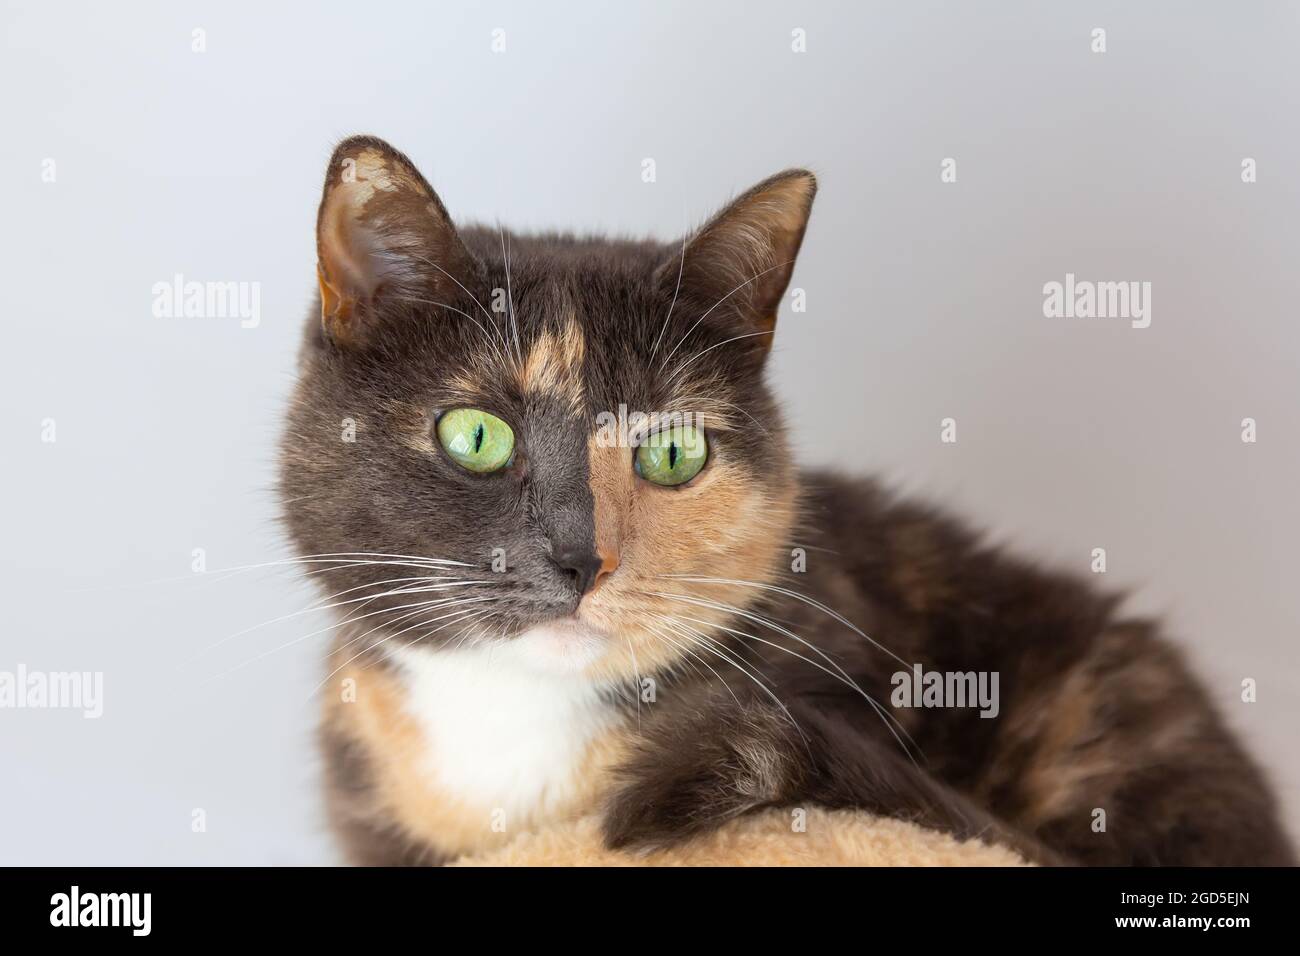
(744, 256)
(384, 241)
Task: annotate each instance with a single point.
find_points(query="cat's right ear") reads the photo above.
(384, 241)
(745, 255)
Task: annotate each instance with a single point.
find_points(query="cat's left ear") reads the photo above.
(744, 257)
(384, 242)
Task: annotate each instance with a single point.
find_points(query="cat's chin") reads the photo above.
(565, 645)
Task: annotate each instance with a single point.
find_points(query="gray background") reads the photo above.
(924, 301)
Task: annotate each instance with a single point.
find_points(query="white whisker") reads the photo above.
(365, 650)
(682, 340)
(680, 267)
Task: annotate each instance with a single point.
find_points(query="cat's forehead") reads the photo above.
(565, 318)
(562, 347)
(422, 304)
(606, 288)
(554, 358)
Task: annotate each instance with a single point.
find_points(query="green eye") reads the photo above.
(673, 456)
(478, 441)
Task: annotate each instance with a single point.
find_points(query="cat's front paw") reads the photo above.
(669, 797)
(653, 815)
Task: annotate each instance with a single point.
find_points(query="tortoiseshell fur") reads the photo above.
(1096, 713)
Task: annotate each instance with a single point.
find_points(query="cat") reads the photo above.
(540, 617)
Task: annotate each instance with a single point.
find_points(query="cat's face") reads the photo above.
(469, 408)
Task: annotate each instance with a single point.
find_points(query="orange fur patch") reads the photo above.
(554, 364)
(721, 525)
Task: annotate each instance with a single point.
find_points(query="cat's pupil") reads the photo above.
(478, 437)
(672, 455)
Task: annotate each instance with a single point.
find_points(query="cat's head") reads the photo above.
(465, 449)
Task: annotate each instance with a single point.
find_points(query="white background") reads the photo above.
(924, 301)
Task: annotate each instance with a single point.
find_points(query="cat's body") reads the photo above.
(1094, 713)
(561, 636)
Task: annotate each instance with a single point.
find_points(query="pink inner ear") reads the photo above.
(346, 252)
(344, 269)
(383, 228)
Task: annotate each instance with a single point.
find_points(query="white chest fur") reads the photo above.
(501, 733)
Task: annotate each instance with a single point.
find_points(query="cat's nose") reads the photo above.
(584, 565)
(580, 563)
